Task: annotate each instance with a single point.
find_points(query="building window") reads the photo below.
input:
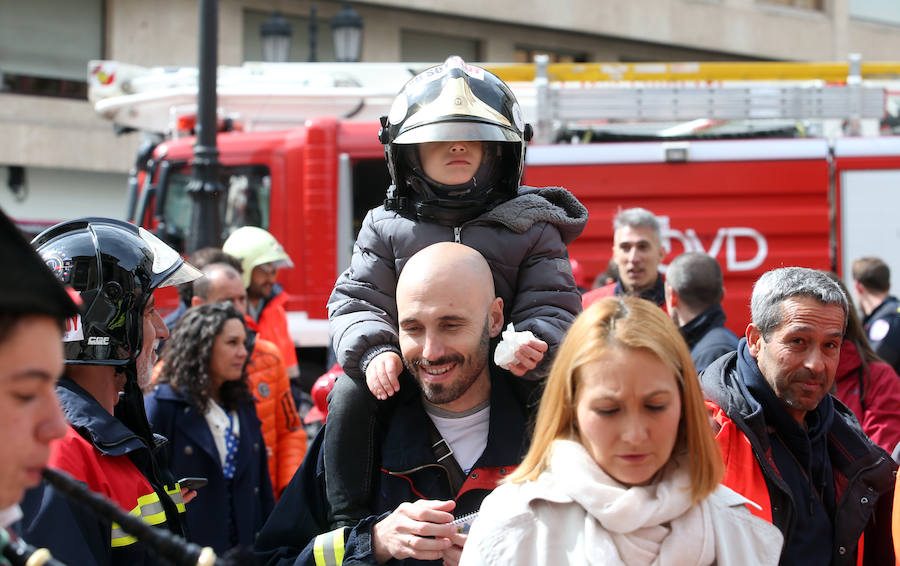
(805, 4)
(526, 54)
(245, 202)
(427, 47)
(884, 11)
(45, 45)
(301, 46)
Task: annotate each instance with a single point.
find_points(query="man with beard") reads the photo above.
(788, 444)
(454, 432)
(109, 353)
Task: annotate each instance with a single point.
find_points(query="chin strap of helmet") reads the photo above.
(130, 411)
(465, 202)
(130, 408)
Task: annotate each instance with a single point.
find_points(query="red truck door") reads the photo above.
(752, 204)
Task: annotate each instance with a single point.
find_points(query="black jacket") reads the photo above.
(708, 338)
(882, 328)
(410, 471)
(863, 473)
(96, 451)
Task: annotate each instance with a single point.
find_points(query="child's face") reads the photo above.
(450, 163)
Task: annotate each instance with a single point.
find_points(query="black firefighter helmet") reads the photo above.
(115, 267)
(454, 101)
(30, 288)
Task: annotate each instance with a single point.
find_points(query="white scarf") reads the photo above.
(652, 525)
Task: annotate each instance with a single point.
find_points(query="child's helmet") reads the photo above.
(454, 102)
(115, 267)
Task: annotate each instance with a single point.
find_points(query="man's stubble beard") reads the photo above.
(441, 393)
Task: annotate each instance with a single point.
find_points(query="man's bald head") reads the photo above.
(448, 313)
(448, 265)
(220, 282)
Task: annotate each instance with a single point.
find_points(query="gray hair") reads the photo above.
(697, 279)
(778, 285)
(637, 218)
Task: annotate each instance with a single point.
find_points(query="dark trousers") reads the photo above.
(350, 449)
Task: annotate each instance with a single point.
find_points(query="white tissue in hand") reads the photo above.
(505, 354)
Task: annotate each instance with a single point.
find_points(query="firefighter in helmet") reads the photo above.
(454, 142)
(109, 354)
(261, 257)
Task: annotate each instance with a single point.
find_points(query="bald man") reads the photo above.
(455, 430)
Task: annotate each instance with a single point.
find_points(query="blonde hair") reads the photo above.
(631, 323)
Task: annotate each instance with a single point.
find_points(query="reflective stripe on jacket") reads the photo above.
(99, 451)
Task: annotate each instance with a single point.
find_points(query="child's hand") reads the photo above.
(382, 374)
(528, 356)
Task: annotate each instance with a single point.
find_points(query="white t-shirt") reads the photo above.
(218, 421)
(465, 432)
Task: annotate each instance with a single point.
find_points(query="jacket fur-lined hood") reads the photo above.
(554, 205)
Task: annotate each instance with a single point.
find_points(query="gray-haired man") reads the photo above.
(788, 445)
(637, 253)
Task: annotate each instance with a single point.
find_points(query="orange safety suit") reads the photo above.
(282, 428)
(272, 326)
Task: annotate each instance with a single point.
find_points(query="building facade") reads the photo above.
(59, 160)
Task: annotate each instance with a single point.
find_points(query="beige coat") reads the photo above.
(539, 524)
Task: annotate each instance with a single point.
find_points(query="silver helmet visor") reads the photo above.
(165, 258)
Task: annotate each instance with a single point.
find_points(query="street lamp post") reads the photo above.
(313, 33)
(276, 38)
(346, 29)
(205, 188)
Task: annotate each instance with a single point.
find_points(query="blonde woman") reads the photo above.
(623, 467)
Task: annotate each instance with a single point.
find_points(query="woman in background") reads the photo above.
(867, 385)
(623, 468)
(203, 406)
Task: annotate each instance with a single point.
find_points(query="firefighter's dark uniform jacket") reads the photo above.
(857, 500)
(295, 533)
(113, 461)
(708, 338)
(882, 327)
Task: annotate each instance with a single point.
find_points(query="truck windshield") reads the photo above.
(245, 201)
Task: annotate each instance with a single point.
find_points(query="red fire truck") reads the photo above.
(752, 201)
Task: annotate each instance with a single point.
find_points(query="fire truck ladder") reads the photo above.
(552, 96)
(673, 92)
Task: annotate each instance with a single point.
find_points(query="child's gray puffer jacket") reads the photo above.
(524, 241)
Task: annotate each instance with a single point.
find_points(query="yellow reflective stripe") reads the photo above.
(122, 541)
(328, 549)
(119, 537)
(338, 542)
(318, 551)
(149, 509)
(175, 496)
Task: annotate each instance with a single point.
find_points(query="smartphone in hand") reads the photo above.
(192, 484)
